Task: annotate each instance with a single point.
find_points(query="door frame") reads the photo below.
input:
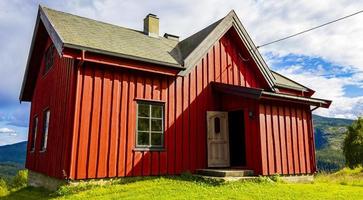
(207, 140)
(244, 113)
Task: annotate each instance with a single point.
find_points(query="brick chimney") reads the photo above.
(151, 25)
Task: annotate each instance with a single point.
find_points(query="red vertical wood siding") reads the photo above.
(100, 119)
(107, 97)
(288, 144)
(52, 91)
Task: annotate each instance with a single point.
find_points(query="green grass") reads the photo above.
(345, 184)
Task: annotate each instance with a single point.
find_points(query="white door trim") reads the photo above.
(218, 142)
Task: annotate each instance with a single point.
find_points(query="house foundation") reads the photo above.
(40, 180)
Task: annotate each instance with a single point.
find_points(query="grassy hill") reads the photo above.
(329, 136)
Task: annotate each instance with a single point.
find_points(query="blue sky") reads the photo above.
(328, 60)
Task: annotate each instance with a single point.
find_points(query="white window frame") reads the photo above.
(34, 133)
(46, 122)
(150, 118)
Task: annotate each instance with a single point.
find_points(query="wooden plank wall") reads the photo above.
(105, 117)
(52, 91)
(101, 119)
(287, 145)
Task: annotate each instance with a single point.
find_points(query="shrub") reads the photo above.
(263, 179)
(3, 187)
(276, 178)
(20, 179)
(353, 144)
(73, 189)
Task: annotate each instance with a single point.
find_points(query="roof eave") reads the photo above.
(53, 34)
(254, 51)
(25, 77)
(98, 51)
(307, 100)
(291, 87)
(260, 94)
(41, 16)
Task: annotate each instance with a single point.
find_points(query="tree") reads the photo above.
(353, 144)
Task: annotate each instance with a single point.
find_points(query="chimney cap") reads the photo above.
(172, 37)
(152, 15)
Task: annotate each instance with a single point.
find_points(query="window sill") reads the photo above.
(149, 149)
(42, 151)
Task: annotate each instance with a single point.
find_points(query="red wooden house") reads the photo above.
(109, 101)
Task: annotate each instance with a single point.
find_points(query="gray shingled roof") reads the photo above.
(189, 44)
(283, 81)
(84, 33)
(92, 34)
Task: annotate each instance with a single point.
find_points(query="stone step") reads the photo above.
(225, 172)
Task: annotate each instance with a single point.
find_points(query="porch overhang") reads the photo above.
(252, 93)
(260, 94)
(296, 99)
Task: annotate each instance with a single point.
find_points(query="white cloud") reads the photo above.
(265, 21)
(7, 130)
(328, 88)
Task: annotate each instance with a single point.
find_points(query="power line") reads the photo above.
(310, 29)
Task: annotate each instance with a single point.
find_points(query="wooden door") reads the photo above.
(218, 139)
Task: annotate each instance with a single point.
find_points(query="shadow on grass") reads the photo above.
(29, 193)
(93, 184)
(187, 177)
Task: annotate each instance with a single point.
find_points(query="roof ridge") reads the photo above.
(99, 21)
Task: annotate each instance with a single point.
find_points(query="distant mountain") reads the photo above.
(329, 137)
(12, 159)
(13, 153)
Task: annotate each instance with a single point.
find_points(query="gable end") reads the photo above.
(231, 20)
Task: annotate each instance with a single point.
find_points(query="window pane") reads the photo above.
(35, 127)
(143, 138)
(143, 124)
(49, 58)
(144, 110)
(156, 111)
(217, 125)
(156, 138)
(156, 125)
(45, 130)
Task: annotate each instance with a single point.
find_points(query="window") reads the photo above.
(34, 133)
(150, 129)
(49, 58)
(217, 125)
(46, 117)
